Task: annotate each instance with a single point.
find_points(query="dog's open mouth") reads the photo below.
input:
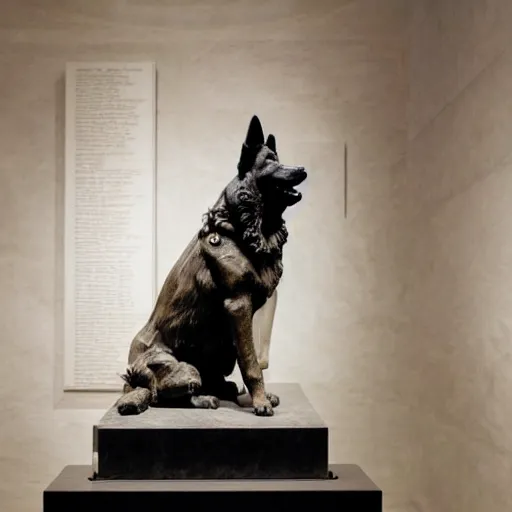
(287, 187)
(282, 183)
(290, 192)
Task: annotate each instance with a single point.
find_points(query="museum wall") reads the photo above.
(319, 74)
(456, 249)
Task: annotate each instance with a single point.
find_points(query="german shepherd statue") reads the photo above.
(201, 325)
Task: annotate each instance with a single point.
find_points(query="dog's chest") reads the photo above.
(235, 272)
(267, 279)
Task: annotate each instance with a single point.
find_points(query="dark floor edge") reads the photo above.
(331, 475)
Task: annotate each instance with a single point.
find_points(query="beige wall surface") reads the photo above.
(456, 248)
(403, 340)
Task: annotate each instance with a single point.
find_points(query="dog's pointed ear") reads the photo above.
(255, 135)
(271, 143)
(253, 142)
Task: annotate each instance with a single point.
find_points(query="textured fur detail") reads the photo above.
(245, 216)
(136, 379)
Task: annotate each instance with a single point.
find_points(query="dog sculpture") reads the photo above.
(201, 325)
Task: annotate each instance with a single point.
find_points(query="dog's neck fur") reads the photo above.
(240, 214)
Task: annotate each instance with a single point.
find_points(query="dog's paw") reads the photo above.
(263, 409)
(135, 402)
(205, 402)
(131, 409)
(273, 399)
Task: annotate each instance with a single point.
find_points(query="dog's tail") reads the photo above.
(137, 395)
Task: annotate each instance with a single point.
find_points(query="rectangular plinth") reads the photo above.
(352, 491)
(229, 442)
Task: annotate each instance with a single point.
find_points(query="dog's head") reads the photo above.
(259, 165)
(253, 202)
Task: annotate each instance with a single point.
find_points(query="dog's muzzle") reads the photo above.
(287, 178)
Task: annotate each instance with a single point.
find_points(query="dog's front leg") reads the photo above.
(239, 310)
(264, 319)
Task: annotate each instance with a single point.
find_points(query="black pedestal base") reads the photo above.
(230, 442)
(352, 491)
